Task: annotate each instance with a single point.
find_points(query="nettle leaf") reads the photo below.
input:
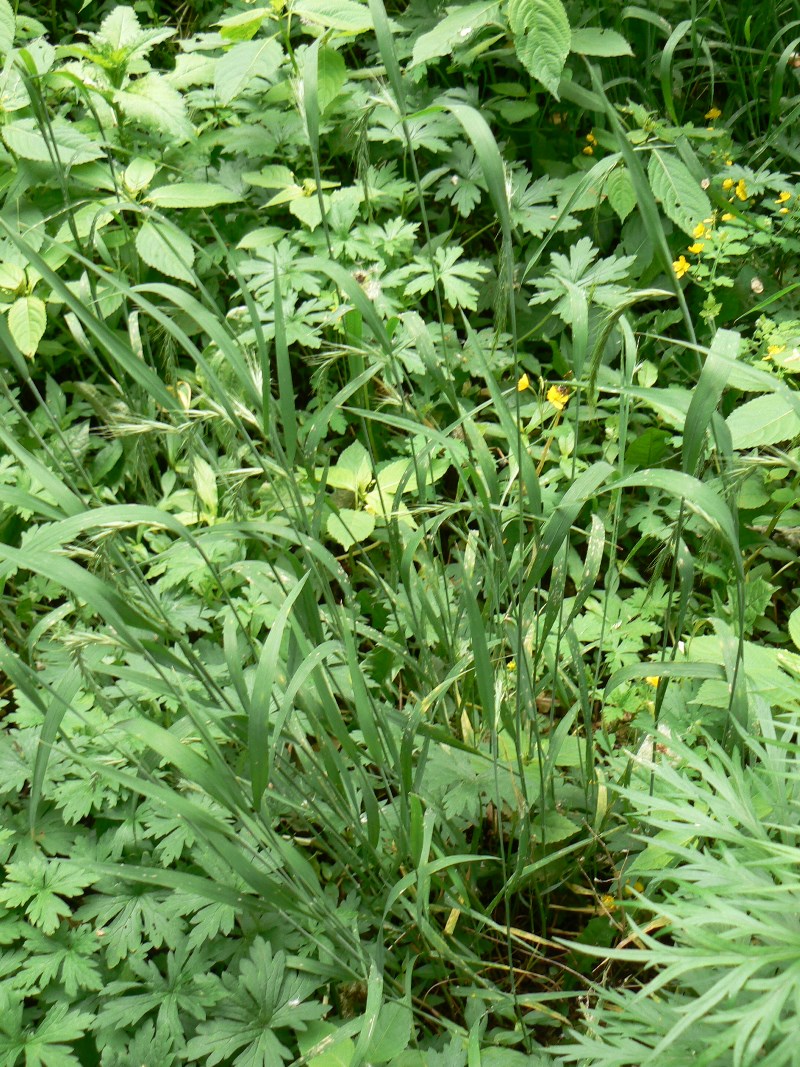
(682, 198)
(71, 146)
(343, 15)
(192, 194)
(452, 30)
(242, 63)
(350, 527)
(121, 37)
(542, 39)
(153, 102)
(41, 886)
(592, 41)
(166, 248)
(27, 321)
(619, 190)
(763, 421)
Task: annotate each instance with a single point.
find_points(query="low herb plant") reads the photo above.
(397, 534)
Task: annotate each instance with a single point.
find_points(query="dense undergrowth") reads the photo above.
(398, 534)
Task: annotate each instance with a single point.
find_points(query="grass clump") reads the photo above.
(397, 535)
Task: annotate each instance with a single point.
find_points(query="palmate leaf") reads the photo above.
(266, 996)
(48, 1044)
(42, 887)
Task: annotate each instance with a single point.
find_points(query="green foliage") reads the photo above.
(398, 548)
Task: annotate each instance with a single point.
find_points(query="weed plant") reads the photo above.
(398, 534)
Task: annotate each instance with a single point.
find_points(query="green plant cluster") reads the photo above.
(400, 654)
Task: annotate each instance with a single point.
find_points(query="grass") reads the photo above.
(398, 663)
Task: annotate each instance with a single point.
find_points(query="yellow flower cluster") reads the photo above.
(590, 145)
(783, 199)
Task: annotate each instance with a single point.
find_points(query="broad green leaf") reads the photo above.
(12, 278)
(335, 14)
(138, 174)
(205, 485)
(592, 41)
(794, 627)
(8, 25)
(240, 64)
(166, 248)
(334, 1052)
(542, 38)
(763, 421)
(154, 103)
(192, 194)
(619, 190)
(72, 147)
(391, 1033)
(453, 29)
(331, 76)
(352, 470)
(349, 527)
(27, 320)
(244, 26)
(682, 198)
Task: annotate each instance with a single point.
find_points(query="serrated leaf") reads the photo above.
(192, 194)
(335, 14)
(542, 39)
(153, 102)
(331, 76)
(592, 41)
(8, 25)
(25, 139)
(452, 29)
(166, 248)
(763, 421)
(350, 527)
(240, 64)
(27, 321)
(619, 190)
(682, 199)
(244, 26)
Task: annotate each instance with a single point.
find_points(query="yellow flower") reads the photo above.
(775, 350)
(741, 189)
(588, 150)
(523, 384)
(713, 113)
(728, 162)
(696, 248)
(590, 137)
(783, 197)
(681, 266)
(727, 216)
(652, 680)
(728, 183)
(784, 211)
(558, 396)
(608, 902)
(700, 231)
